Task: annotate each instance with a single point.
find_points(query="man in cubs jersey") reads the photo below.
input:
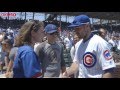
(92, 56)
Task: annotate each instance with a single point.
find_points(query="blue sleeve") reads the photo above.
(31, 65)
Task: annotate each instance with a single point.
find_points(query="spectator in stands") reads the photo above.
(8, 30)
(117, 41)
(103, 33)
(68, 42)
(7, 46)
(2, 54)
(73, 49)
(112, 41)
(12, 54)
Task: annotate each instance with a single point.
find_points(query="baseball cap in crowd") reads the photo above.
(50, 28)
(80, 20)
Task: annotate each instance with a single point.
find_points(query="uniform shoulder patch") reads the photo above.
(89, 59)
(107, 55)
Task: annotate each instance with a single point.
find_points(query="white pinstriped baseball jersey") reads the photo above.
(94, 57)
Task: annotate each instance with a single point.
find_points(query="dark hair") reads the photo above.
(24, 36)
(101, 32)
(7, 41)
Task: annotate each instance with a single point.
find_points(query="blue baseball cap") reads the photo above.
(80, 20)
(50, 28)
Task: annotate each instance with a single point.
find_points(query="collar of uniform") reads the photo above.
(91, 35)
(51, 43)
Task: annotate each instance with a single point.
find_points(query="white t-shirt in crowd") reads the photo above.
(68, 43)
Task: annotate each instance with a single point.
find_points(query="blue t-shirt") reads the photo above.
(26, 64)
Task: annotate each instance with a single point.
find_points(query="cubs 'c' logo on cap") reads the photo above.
(107, 55)
(89, 59)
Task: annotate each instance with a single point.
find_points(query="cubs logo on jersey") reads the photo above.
(89, 59)
(107, 55)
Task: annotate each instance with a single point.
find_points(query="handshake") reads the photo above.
(9, 74)
(64, 75)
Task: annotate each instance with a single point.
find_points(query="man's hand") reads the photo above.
(8, 74)
(64, 75)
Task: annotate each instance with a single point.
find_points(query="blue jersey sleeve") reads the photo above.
(31, 65)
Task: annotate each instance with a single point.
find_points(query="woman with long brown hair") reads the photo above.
(27, 63)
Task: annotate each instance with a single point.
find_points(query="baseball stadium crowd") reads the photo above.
(40, 49)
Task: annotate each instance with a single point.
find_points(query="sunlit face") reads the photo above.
(39, 35)
(103, 33)
(52, 36)
(5, 47)
(76, 39)
(81, 31)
